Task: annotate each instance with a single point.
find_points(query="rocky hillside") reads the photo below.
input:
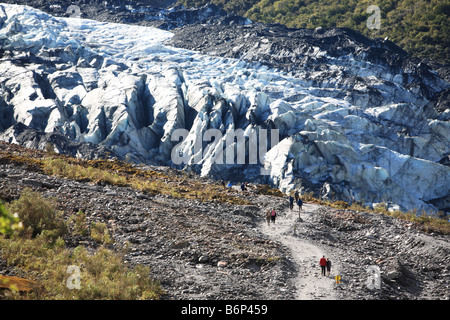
(419, 27)
(349, 118)
(181, 239)
(144, 12)
(218, 250)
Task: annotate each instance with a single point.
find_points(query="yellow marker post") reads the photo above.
(338, 282)
(338, 279)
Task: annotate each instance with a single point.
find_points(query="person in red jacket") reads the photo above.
(323, 265)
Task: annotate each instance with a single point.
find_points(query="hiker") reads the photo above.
(323, 265)
(268, 217)
(300, 204)
(328, 266)
(296, 195)
(291, 202)
(243, 187)
(273, 215)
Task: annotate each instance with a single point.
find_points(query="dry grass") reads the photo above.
(119, 173)
(102, 274)
(39, 254)
(423, 221)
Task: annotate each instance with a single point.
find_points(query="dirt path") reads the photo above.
(311, 285)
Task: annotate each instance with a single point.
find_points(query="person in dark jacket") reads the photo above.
(291, 202)
(328, 266)
(300, 204)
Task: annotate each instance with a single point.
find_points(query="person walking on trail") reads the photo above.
(300, 204)
(268, 217)
(273, 215)
(323, 265)
(328, 266)
(291, 202)
(296, 195)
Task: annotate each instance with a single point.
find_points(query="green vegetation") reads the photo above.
(8, 223)
(100, 233)
(422, 27)
(37, 215)
(239, 7)
(102, 274)
(268, 190)
(38, 252)
(77, 224)
(425, 221)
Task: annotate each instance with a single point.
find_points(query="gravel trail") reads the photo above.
(305, 254)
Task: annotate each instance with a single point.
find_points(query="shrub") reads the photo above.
(8, 222)
(37, 214)
(359, 206)
(100, 233)
(268, 190)
(78, 225)
(309, 196)
(340, 204)
(381, 208)
(103, 275)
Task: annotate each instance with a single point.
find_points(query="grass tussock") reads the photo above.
(268, 190)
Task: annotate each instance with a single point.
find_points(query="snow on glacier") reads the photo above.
(325, 136)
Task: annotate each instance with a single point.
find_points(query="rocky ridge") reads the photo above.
(210, 250)
(162, 14)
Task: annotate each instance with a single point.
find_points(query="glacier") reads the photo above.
(352, 124)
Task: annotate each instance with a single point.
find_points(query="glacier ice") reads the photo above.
(350, 128)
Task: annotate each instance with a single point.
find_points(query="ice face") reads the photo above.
(124, 87)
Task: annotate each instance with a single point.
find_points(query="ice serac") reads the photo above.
(357, 118)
